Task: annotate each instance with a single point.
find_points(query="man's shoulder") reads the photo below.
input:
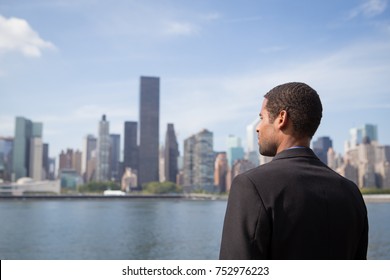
(260, 172)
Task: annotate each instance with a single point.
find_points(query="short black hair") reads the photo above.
(302, 103)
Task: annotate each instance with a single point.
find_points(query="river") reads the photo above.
(112, 229)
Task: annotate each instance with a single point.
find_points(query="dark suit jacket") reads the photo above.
(294, 207)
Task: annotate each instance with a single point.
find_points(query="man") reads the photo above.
(294, 207)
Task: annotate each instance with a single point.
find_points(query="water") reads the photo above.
(379, 231)
(132, 229)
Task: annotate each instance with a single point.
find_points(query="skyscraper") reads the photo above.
(358, 135)
(89, 148)
(370, 131)
(321, 147)
(198, 169)
(130, 157)
(25, 130)
(66, 160)
(77, 162)
(70, 160)
(148, 169)
(189, 162)
(221, 172)
(52, 168)
(115, 141)
(36, 155)
(103, 151)
(371, 162)
(171, 154)
(6, 147)
(45, 161)
(234, 149)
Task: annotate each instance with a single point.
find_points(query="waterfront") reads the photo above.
(132, 229)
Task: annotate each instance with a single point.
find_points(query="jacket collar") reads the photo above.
(295, 152)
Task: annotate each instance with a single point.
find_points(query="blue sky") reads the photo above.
(67, 62)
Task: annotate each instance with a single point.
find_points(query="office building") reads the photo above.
(161, 164)
(221, 169)
(45, 162)
(368, 164)
(6, 146)
(234, 149)
(321, 147)
(70, 179)
(115, 150)
(199, 159)
(26, 185)
(89, 146)
(171, 154)
(77, 162)
(90, 174)
(130, 157)
(70, 160)
(189, 162)
(36, 156)
(65, 160)
(25, 130)
(103, 151)
(148, 165)
(357, 136)
(52, 169)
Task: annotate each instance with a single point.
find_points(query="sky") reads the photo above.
(65, 63)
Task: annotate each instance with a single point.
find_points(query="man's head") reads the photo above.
(293, 107)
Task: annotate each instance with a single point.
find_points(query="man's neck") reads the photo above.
(290, 143)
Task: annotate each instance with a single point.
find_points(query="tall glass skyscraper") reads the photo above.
(148, 169)
(25, 131)
(368, 132)
(115, 150)
(321, 147)
(234, 149)
(103, 151)
(171, 154)
(130, 157)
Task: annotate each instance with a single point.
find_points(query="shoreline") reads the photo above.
(368, 198)
(120, 197)
(376, 198)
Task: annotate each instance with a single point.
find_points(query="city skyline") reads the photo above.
(126, 124)
(73, 61)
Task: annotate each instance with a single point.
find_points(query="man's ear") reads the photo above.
(282, 119)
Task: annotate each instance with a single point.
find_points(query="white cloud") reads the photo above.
(17, 35)
(176, 28)
(351, 79)
(369, 8)
(355, 75)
